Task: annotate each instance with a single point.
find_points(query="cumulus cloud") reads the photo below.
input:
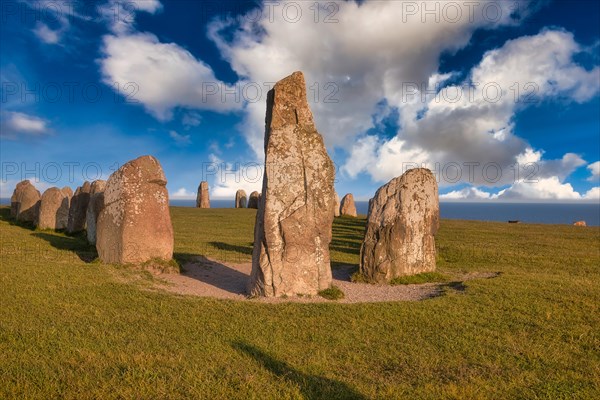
(594, 169)
(463, 124)
(469, 193)
(359, 62)
(161, 76)
(16, 124)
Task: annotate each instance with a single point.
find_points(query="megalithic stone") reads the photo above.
(402, 223)
(295, 215)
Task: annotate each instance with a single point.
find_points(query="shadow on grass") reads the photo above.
(77, 244)
(212, 273)
(311, 386)
(246, 250)
(6, 217)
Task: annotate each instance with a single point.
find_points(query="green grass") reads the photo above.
(75, 329)
(332, 293)
(426, 277)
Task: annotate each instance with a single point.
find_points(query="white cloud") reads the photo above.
(592, 194)
(228, 178)
(16, 124)
(120, 15)
(182, 194)
(469, 193)
(161, 76)
(180, 140)
(476, 129)
(359, 62)
(595, 171)
(383, 159)
(47, 35)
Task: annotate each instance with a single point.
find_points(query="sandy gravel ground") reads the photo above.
(209, 278)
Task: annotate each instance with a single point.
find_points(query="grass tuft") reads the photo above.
(332, 293)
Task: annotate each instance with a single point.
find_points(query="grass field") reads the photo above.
(75, 329)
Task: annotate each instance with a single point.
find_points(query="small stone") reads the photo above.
(348, 208)
(240, 199)
(254, 199)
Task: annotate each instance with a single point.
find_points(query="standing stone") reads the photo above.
(336, 210)
(135, 225)
(54, 210)
(78, 208)
(14, 199)
(253, 200)
(202, 199)
(94, 208)
(348, 208)
(240, 199)
(68, 192)
(402, 222)
(27, 202)
(294, 220)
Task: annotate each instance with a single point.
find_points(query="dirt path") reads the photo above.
(209, 278)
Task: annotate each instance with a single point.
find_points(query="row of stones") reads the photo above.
(293, 228)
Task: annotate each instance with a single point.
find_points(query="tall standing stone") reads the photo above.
(54, 210)
(253, 200)
(240, 199)
(347, 207)
(402, 222)
(27, 201)
(293, 223)
(202, 199)
(78, 208)
(336, 210)
(94, 208)
(135, 225)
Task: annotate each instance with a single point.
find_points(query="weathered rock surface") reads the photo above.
(580, 223)
(347, 207)
(202, 199)
(402, 222)
(240, 199)
(54, 210)
(294, 220)
(26, 202)
(68, 192)
(253, 200)
(336, 210)
(14, 199)
(78, 208)
(135, 225)
(94, 208)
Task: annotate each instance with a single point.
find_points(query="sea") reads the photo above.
(533, 213)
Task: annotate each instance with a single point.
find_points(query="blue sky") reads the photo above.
(500, 99)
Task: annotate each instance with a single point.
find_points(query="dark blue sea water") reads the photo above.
(541, 213)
